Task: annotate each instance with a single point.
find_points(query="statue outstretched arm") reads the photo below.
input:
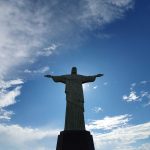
(61, 79)
(99, 75)
(48, 76)
(86, 79)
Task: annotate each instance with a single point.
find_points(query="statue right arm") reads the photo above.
(86, 79)
(61, 79)
(99, 75)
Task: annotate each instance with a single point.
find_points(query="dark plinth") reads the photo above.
(75, 140)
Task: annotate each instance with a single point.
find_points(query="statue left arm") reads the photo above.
(57, 78)
(86, 79)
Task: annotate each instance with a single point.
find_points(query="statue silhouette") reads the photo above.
(74, 119)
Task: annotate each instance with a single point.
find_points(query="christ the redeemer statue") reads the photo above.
(74, 119)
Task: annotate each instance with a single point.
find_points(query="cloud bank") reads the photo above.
(16, 137)
(121, 136)
(30, 29)
(117, 134)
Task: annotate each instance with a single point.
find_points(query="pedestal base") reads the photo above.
(75, 140)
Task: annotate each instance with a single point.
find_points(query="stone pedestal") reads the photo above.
(75, 140)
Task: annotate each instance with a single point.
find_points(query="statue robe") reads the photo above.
(74, 119)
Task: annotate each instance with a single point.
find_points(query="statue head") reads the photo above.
(74, 70)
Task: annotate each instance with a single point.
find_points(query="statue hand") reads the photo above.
(99, 75)
(48, 76)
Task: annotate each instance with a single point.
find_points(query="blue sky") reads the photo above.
(97, 36)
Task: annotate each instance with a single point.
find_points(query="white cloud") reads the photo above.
(116, 133)
(9, 91)
(8, 84)
(25, 29)
(144, 93)
(132, 97)
(139, 92)
(22, 33)
(122, 3)
(123, 138)
(132, 86)
(8, 98)
(48, 51)
(147, 104)
(97, 109)
(41, 70)
(27, 138)
(16, 137)
(109, 123)
(103, 12)
(27, 71)
(5, 115)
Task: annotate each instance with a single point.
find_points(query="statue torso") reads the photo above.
(74, 90)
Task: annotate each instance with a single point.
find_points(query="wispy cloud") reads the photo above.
(7, 84)
(40, 70)
(27, 27)
(5, 115)
(99, 12)
(117, 134)
(139, 92)
(9, 90)
(109, 123)
(124, 138)
(144, 82)
(23, 32)
(48, 50)
(97, 109)
(8, 98)
(147, 104)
